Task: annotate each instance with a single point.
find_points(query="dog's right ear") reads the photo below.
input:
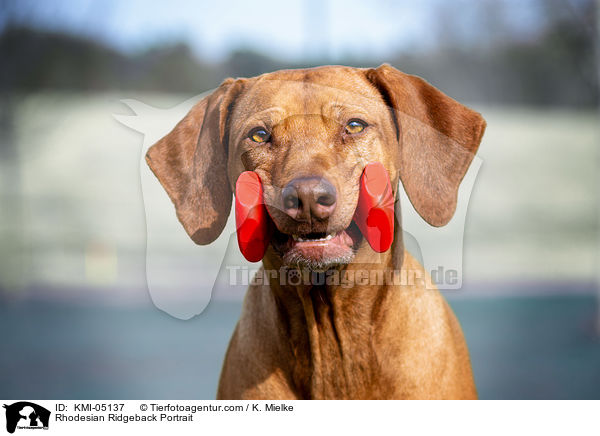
(191, 164)
(438, 138)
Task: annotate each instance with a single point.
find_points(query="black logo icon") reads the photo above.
(33, 416)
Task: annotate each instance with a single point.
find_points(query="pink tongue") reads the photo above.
(253, 230)
(374, 213)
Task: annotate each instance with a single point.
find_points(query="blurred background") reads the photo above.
(74, 306)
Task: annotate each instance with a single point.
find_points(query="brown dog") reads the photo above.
(308, 134)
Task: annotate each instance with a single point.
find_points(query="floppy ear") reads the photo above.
(438, 138)
(191, 164)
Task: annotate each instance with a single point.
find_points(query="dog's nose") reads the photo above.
(309, 197)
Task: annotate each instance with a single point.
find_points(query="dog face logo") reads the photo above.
(26, 415)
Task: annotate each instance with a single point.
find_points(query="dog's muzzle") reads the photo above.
(374, 214)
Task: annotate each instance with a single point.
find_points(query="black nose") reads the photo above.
(309, 197)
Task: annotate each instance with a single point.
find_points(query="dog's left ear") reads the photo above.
(438, 138)
(191, 164)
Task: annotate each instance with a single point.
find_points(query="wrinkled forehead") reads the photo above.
(306, 94)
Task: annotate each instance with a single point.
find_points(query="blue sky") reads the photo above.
(286, 29)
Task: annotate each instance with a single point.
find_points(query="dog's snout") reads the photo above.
(309, 197)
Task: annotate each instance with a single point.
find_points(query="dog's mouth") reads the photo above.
(312, 242)
(317, 250)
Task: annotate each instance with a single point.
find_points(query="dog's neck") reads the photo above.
(329, 318)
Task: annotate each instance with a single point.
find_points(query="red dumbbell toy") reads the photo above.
(252, 223)
(374, 213)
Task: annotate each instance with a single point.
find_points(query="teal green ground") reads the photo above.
(521, 347)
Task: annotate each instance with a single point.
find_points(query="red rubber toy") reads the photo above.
(374, 213)
(253, 233)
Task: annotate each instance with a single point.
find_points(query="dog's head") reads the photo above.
(308, 134)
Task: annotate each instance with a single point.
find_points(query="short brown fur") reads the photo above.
(367, 341)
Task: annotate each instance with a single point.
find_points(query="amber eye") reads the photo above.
(259, 135)
(355, 126)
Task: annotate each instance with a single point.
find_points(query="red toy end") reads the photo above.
(251, 217)
(374, 213)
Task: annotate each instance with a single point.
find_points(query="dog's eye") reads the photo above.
(259, 135)
(355, 126)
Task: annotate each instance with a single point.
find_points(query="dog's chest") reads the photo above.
(336, 358)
